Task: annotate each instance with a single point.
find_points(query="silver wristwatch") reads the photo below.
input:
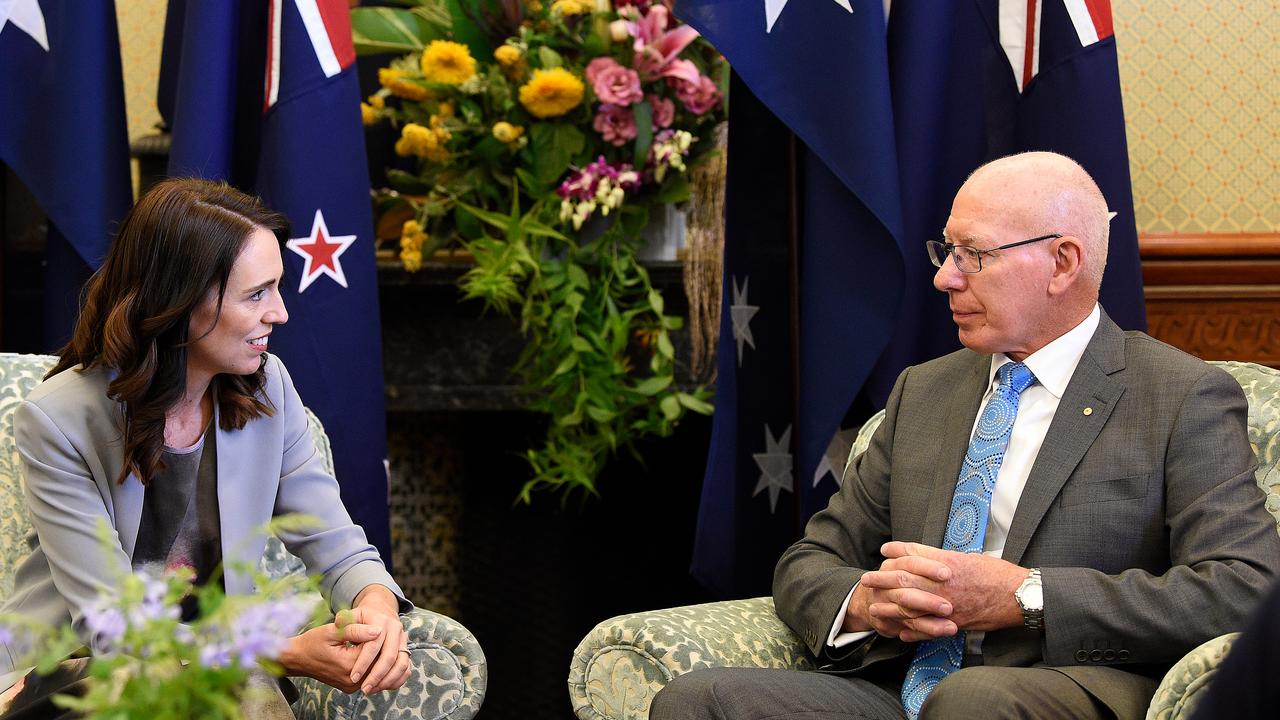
(1030, 597)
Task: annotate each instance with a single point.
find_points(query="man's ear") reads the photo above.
(1068, 260)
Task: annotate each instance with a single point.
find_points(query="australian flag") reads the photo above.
(892, 103)
(267, 98)
(62, 132)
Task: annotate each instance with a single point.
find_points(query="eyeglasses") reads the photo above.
(969, 259)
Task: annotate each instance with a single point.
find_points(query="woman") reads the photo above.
(167, 418)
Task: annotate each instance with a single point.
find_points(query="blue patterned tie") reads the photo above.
(967, 523)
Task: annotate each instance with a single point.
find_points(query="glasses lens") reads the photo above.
(967, 259)
(937, 252)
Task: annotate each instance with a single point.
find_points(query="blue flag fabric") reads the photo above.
(893, 115)
(778, 407)
(297, 141)
(62, 131)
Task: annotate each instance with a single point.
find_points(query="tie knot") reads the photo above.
(1015, 376)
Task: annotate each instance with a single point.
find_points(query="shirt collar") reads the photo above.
(1055, 363)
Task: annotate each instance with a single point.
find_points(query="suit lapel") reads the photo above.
(957, 428)
(241, 517)
(1083, 411)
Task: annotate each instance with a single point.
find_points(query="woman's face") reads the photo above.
(251, 306)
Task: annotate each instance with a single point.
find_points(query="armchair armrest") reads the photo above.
(623, 662)
(1179, 691)
(448, 680)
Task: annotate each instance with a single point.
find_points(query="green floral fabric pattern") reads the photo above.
(449, 675)
(623, 662)
(448, 680)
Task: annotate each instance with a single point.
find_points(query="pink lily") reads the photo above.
(657, 49)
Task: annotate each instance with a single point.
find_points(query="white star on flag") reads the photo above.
(773, 8)
(836, 456)
(741, 313)
(775, 466)
(27, 17)
(322, 252)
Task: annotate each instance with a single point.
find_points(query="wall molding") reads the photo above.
(1216, 296)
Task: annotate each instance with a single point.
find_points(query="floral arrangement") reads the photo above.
(540, 134)
(150, 664)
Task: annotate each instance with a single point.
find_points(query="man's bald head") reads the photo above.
(1043, 192)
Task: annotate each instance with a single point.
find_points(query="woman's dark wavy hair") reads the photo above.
(177, 243)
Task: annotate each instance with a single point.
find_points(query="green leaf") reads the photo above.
(665, 349)
(675, 189)
(694, 404)
(384, 30)
(574, 300)
(644, 132)
(578, 276)
(600, 415)
(670, 407)
(553, 146)
(581, 345)
(468, 226)
(654, 385)
(548, 58)
(655, 301)
(407, 183)
(466, 31)
(567, 364)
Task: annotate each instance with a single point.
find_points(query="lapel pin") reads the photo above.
(1088, 411)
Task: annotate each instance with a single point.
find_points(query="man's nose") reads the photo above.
(948, 277)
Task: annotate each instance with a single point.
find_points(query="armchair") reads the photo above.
(624, 661)
(449, 676)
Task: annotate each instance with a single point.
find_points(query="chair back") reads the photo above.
(1261, 387)
(18, 375)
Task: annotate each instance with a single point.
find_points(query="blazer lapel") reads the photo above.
(241, 517)
(957, 429)
(1083, 411)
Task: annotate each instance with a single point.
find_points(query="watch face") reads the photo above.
(1033, 596)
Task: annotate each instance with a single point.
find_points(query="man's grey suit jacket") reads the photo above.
(68, 434)
(1141, 509)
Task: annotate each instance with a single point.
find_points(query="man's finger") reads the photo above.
(931, 626)
(932, 568)
(897, 549)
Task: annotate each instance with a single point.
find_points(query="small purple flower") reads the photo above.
(105, 622)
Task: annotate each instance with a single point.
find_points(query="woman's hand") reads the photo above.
(328, 653)
(383, 663)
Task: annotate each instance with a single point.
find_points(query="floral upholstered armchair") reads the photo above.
(449, 676)
(623, 662)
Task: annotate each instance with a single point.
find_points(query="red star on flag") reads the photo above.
(321, 252)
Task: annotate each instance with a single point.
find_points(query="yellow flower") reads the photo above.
(412, 260)
(368, 115)
(423, 142)
(447, 62)
(571, 7)
(507, 55)
(445, 110)
(506, 132)
(551, 93)
(534, 6)
(394, 81)
(377, 101)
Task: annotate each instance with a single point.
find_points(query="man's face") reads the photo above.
(1005, 307)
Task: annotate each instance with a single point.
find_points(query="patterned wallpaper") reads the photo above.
(1201, 93)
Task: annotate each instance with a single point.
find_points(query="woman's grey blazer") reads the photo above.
(69, 439)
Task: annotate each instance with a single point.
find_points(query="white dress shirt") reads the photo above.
(1053, 365)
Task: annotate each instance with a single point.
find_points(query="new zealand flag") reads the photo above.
(892, 104)
(297, 141)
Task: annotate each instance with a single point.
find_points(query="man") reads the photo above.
(1044, 522)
